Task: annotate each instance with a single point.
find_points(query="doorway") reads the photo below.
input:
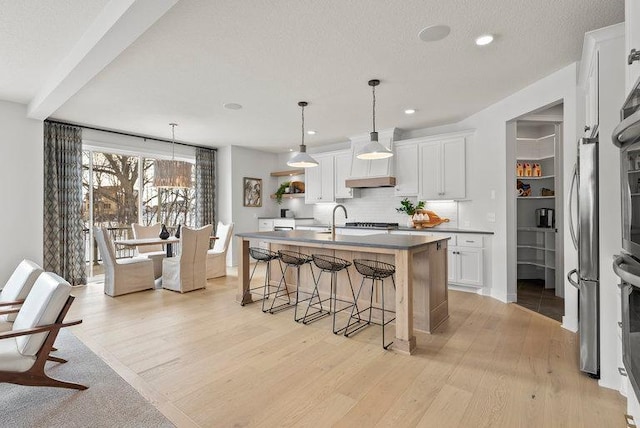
(536, 149)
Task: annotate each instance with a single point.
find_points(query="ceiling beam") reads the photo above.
(118, 25)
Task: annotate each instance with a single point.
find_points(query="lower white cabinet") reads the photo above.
(465, 266)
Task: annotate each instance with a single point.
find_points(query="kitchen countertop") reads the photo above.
(285, 218)
(407, 229)
(397, 242)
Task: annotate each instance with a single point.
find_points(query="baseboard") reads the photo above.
(570, 323)
(456, 287)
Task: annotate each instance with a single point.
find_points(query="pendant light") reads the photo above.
(172, 173)
(374, 150)
(302, 159)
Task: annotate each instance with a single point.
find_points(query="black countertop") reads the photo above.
(382, 240)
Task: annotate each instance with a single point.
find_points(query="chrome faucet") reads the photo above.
(333, 219)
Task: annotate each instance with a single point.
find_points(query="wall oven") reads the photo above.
(627, 265)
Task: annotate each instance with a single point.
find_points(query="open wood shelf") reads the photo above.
(535, 158)
(289, 173)
(289, 195)
(536, 197)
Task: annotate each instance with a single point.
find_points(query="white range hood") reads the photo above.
(372, 173)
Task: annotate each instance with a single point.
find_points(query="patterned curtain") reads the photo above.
(64, 247)
(205, 187)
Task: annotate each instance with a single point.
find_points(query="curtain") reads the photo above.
(205, 187)
(64, 246)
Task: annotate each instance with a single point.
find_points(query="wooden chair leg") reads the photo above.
(37, 379)
(56, 359)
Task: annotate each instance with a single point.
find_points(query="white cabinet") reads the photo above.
(442, 169)
(319, 180)
(632, 41)
(466, 261)
(406, 159)
(342, 165)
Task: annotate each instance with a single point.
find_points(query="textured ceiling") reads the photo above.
(268, 55)
(34, 36)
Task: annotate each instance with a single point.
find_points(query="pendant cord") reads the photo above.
(303, 125)
(173, 141)
(373, 89)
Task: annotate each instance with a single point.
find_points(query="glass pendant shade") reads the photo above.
(374, 150)
(302, 159)
(172, 173)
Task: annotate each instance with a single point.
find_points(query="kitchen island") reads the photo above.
(421, 297)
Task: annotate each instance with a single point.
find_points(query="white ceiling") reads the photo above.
(267, 55)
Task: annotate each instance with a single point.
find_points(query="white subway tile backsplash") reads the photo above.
(379, 205)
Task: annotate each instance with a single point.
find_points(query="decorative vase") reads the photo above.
(178, 231)
(409, 221)
(164, 233)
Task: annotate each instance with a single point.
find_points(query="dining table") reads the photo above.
(136, 242)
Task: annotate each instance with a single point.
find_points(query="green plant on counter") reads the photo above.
(281, 191)
(407, 207)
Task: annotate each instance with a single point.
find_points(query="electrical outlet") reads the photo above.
(491, 217)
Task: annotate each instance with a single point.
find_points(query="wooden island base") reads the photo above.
(420, 297)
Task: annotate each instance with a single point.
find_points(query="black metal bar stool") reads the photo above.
(261, 256)
(293, 260)
(331, 265)
(375, 271)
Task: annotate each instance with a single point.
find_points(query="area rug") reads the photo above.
(109, 401)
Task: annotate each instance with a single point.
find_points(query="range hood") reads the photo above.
(370, 182)
(372, 173)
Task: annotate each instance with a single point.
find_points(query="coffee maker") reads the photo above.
(545, 217)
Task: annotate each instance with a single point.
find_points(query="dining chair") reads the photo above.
(217, 256)
(16, 290)
(154, 252)
(125, 275)
(188, 271)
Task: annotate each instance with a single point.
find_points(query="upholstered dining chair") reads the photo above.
(217, 256)
(122, 276)
(16, 290)
(153, 252)
(188, 271)
(25, 348)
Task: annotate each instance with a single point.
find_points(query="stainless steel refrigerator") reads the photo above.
(585, 235)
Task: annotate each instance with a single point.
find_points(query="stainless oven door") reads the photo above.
(630, 189)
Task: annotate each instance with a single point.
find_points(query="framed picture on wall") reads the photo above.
(252, 192)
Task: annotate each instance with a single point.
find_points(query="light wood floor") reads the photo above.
(204, 360)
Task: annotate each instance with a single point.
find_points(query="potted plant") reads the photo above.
(284, 187)
(407, 207)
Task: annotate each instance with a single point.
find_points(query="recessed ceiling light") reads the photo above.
(434, 33)
(484, 40)
(410, 111)
(232, 106)
(311, 132)
(290, 150)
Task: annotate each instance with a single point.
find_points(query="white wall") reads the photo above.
(245, 163)
(21, 149)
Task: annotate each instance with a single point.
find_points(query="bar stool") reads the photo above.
(293, 260)
(261, 256)
(375, 271)
(331, 265)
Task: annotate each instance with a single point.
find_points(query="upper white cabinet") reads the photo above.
(632, 41)
(442, 169)
(406, 159)
(342, 165)
(319, 180)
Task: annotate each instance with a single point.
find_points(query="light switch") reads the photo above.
(491, 217)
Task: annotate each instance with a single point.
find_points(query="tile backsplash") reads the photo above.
(379, 205)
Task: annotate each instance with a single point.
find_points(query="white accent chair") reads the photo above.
(153, 252)
(217, 256)
(16, 290)
(122, 276)
(188, 271)
(25, 349)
